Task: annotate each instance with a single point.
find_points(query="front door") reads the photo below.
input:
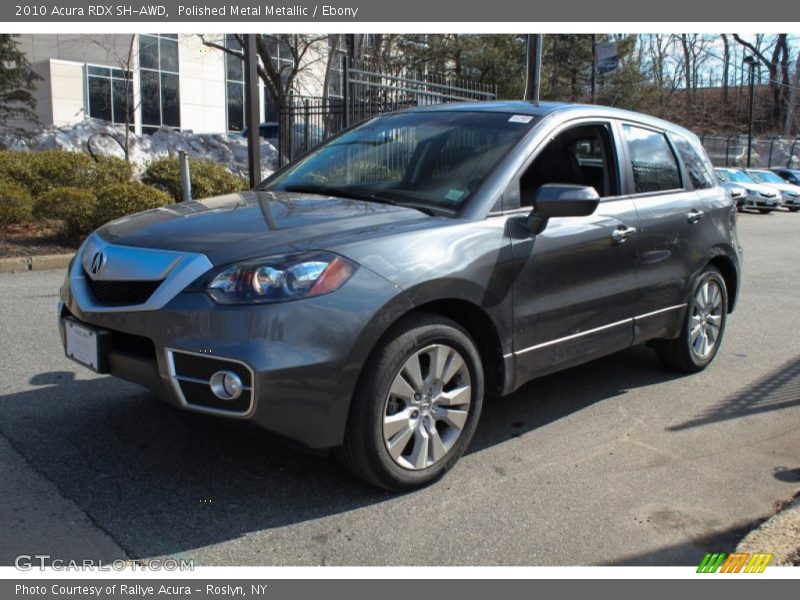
(575, 285)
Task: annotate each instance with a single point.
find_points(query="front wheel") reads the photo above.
(416, 407)
(794, 208)
(765, 211)
(703, 327)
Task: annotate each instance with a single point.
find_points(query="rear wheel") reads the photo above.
(794, 208)
(703, 327)
(416, 407)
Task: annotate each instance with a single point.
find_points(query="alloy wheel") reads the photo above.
(706, 320)
(427, 407)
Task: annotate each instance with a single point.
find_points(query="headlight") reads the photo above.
(279, 278)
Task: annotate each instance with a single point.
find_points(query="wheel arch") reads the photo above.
(730, 274)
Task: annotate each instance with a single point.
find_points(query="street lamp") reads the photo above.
(750, 61)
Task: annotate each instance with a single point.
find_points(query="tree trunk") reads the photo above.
(726, 57)
(790, 112)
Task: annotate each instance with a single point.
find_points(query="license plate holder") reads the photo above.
(87, 345)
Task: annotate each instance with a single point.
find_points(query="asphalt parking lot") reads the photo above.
(614, 462)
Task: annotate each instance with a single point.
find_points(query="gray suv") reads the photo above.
(368, 296)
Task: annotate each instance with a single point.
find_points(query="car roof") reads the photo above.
(545, 109)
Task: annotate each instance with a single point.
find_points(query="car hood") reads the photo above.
(785, 187)
(758, 188)
(252, 224)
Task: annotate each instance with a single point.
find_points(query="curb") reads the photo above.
(780, 535)
(43, 262)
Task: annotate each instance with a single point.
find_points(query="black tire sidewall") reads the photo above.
(395, 354)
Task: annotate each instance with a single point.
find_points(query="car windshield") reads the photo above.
(734, 175)
(424, 159)
(766, 177)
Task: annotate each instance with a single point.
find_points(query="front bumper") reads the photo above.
(759, 201)
(304, 357)
(791, 201)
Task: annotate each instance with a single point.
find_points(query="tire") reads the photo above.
(399, 381)
(686, 352)
(765, 211)
(794, 208)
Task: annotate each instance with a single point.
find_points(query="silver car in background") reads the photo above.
(790, 193)
(759, 196)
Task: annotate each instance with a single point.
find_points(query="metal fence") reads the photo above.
(307, 122)
(766, 152)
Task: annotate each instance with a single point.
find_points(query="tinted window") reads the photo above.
(169, 55)
(148, 52)
(235, 106)
(654, 165)
(693, 160)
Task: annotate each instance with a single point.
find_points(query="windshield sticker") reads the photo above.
(520, 119)
(454, 195)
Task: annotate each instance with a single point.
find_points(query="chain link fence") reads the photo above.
(765, 152)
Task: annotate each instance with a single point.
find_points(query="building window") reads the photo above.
(234, 83)
(336, 80)
(160, 83)
(281, 54)
(110, 94)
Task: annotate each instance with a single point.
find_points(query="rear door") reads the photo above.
(672, 218)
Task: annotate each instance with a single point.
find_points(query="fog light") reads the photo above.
(226, 385)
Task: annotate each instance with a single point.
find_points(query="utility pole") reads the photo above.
(751, 62)
(594, 68)
(787, 128)
(534, 70)
(252, 109)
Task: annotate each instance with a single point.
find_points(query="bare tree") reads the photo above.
(780, 51)
(278, 76)
(124, 57)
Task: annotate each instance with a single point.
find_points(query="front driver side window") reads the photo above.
(581, 155)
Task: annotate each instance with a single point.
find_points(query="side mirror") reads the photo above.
(561, 200)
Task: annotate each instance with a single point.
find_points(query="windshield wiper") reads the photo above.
(355, 195)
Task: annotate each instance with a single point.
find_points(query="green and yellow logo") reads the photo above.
(744, 562)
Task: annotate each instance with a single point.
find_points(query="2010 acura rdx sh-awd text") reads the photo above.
(367, 296)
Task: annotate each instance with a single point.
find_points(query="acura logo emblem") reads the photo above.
(98, 262)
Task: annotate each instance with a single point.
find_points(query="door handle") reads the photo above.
(621, 234)
(694, 216)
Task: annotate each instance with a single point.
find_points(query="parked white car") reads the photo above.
(789, 191)
(759, 196)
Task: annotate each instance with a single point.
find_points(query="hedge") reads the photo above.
(207, 178)
(16, 205)
(73, 207)
(122, 199)
(41, 172)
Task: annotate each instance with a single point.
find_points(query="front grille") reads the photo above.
(192, 373)
(121, 293)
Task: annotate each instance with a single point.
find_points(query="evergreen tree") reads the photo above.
(17, 84)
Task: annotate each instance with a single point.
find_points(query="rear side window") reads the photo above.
(696, 166)
(654, 166)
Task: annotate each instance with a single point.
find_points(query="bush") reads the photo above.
(118, 200)
(74, 207)
(16, 205)
(42, 172)
(207, 177)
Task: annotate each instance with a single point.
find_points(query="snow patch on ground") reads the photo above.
(229, 150)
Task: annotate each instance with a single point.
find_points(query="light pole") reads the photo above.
(534, 68)
(750, 61)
